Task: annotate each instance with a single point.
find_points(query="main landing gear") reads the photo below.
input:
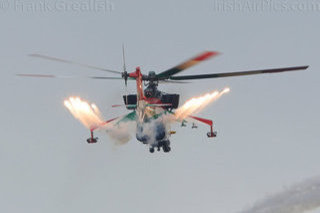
(92, 139)
(212, 134)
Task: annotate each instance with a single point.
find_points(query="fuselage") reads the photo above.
(152, 128)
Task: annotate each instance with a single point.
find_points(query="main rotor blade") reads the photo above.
(63, 76)
(101, 78)
(231, 74)
(73, 62)
(173, 82)
(187, 64)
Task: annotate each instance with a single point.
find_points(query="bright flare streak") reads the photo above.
(226, 90)
(88, 114)
(195, 105)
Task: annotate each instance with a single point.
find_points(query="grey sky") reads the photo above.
(267, 125)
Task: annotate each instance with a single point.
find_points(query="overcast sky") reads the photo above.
(267, 125)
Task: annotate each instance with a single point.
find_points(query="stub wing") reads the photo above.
(114, 121)
(210, 134)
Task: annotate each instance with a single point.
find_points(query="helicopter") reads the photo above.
(150, 108)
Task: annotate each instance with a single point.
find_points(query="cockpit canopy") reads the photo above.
(151, 92)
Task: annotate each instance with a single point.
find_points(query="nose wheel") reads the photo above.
(165, 145)
(166, 148)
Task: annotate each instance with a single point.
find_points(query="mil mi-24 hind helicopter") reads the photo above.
(154, 110)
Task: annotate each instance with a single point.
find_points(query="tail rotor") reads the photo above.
(125, 74)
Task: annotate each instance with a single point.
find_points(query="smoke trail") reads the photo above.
(121, 133)
(299, 198)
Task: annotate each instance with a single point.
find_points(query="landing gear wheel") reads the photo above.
(166, 148)
(151, 150)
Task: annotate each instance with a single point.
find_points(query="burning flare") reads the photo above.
(195, 105)
(88, 114)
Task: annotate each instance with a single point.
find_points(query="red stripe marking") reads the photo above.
(205, 56)
(102, 124)
(153, 101)
(203, 120)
